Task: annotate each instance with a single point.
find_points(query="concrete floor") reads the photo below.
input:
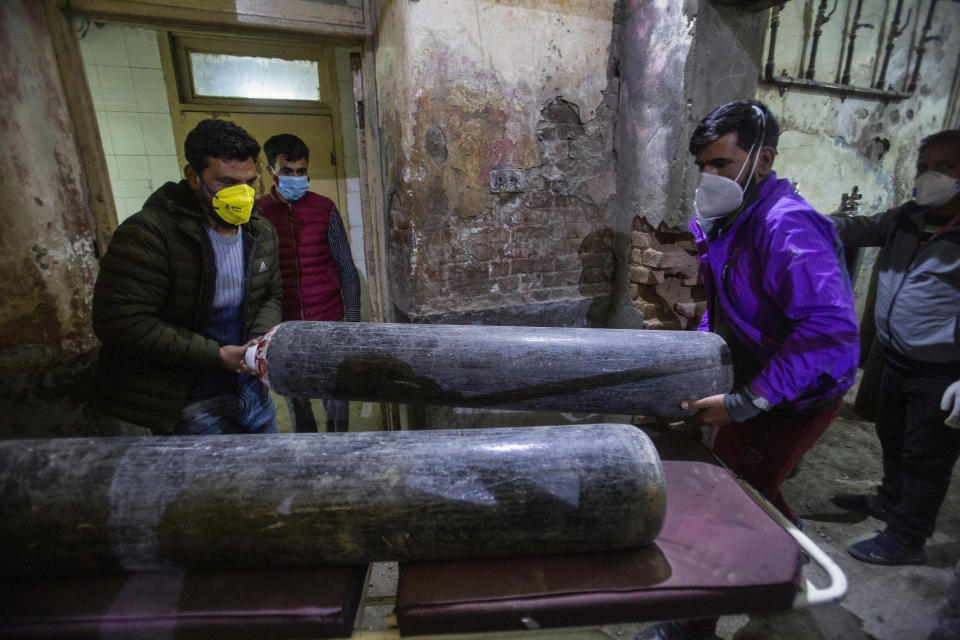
(882, 603)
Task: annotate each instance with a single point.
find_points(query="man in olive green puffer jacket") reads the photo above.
(186, 285)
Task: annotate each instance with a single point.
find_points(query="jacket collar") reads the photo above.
(177, 198)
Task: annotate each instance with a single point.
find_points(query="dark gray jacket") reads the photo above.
(918, 296)
(152, 299)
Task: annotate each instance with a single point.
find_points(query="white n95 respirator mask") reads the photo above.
(934, 189)
(717, 196)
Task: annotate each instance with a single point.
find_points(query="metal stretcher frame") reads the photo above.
(810, 594)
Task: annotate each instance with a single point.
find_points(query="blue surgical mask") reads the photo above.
(292, 187)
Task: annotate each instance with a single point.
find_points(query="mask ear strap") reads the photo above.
(759, 142)
(205, 187)
(763, 123)
(744, 165)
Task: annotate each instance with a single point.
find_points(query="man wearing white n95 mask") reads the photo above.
(916, 314)
(776, 292)
(779, 295)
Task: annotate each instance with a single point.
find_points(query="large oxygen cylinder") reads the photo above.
(105, 504)
(613, 371)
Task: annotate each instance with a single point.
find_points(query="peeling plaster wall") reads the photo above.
(679, 61)
(829, 145)
(471, 86)
(719, 48)
(46, 249)
(657, 37)
(726, 63)
(652, 162)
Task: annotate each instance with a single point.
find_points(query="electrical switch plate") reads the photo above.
(508, 180)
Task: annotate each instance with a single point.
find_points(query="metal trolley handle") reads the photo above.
(812, 594)
(809, 594)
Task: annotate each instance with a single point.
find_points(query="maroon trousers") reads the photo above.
(765, 449)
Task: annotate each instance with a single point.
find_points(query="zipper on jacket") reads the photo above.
(296, 260)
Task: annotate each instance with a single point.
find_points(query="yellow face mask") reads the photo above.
(234, 204)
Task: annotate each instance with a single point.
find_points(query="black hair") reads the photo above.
(219, 139)
(947, 135)
(738, 117)
(287, 145)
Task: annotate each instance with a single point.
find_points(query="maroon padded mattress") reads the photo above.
(718, 553)
(267, 603)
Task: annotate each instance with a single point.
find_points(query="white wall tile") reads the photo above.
(142, 48)
(88, 50)
(106, 136)
(346, 98)
(131, 189)
(353, 185)
(356, 241)
(342, 57)
(116, 86)
(164, 169)
(126, 207)
(350, 145)
(354, 213)
(348, 121)
(127, 86)
(149, 91)
(158, 134)
(112, 169)
(93, 82)
(104, 45)
(126, 133)
(132, 168)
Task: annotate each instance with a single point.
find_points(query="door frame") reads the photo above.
(175, 48)
(350, 26)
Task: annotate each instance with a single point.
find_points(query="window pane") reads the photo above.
(250, 77)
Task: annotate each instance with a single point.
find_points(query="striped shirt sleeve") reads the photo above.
(349, 278)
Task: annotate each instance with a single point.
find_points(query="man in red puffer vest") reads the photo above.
(320, 281)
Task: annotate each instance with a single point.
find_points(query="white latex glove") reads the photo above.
(951, 402)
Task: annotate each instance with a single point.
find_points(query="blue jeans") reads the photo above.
(248, 411)
(338, 414)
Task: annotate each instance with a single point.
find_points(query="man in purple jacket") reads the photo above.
(779, 295)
